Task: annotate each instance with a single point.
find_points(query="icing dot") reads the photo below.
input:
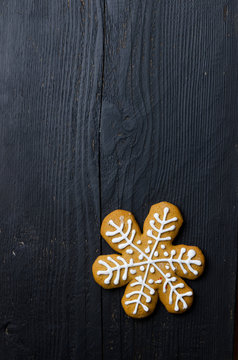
(149, 233)
(132, 271)
(147, 250)
(149, 241)
(162, 246)
(158, 281)
(166, 254)
(156, 253)
(152, 269)
(151, 281)
(138, 242)
(168, 275)
(191, 253)
(129, 251)
(167, 267)
(142, 268)
(141, 257)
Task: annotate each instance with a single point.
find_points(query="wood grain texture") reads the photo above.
(104, 105)
(51, 76)
(168, 124)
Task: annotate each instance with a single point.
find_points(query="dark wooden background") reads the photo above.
(104, 105)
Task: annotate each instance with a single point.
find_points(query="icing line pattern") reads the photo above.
(125, 240)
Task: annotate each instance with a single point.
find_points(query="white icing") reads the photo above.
(158, 281)
(129, 251)
(191, 253)
(161, 230)
(117, 268)
(123, 236)
(173, 289)
(181, 261)
(147, 250)
(140, 293)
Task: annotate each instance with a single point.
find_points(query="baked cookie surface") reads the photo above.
(147, 262)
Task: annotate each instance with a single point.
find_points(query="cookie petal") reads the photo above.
(187, 261)
(111, 271)
(121, 231)
(175, 294)
(139, 299)
(163, 222)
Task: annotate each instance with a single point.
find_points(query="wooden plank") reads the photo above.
(51, 80)
(168, 133)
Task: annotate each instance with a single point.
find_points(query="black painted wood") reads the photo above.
(108, 104)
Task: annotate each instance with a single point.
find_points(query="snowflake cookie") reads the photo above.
(148, 263)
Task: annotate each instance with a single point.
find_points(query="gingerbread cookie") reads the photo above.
(148, 263)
